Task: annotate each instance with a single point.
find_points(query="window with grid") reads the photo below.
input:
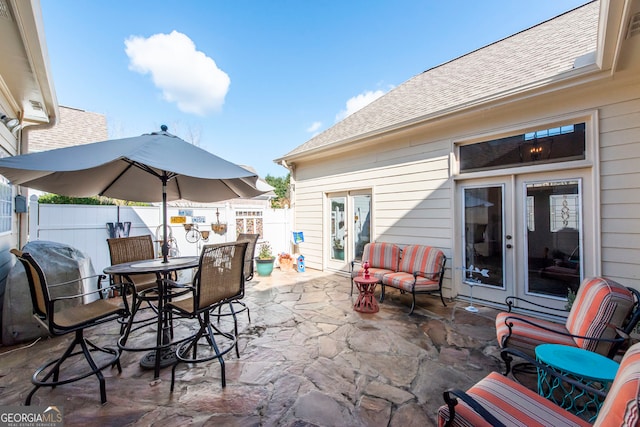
(249, 221)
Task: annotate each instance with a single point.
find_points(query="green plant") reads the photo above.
(56, 199)
(571, 297)
(338, 244)
(265, 251)
(281, 189)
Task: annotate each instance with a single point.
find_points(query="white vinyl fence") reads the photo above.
(86, 227)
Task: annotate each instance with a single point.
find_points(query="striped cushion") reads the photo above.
(511, 403)
(375, 272)
(526, 337)
(382, 255)
(621, 406)
(599, 302)
(422, 258)
(404, 281)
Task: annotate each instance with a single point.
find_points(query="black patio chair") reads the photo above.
(59, 318)
(218, 281)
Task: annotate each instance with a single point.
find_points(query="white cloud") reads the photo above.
(357, 102)
(185, 75)
(314, 127)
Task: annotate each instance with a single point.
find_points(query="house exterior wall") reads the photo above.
(620, 189)
(26, 93)
(412, 173)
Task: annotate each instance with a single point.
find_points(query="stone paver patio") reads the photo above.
(307, 358)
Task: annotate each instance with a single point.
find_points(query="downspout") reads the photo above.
(23, 148)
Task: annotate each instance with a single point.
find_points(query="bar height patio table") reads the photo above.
(162, 270)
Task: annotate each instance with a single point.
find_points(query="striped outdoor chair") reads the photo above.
(383, 258)
(601, 317)
(499, 401)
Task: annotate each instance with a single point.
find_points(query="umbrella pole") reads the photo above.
(165, 240)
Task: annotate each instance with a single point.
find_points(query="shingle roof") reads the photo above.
(537, 54)
(74, 127)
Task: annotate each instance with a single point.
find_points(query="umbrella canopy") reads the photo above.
(129, 169)
(155, 167)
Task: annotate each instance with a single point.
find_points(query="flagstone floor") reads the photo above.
(306, 359)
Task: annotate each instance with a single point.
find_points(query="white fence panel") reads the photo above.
(84, 227)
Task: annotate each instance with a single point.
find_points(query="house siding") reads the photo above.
(407, 155)
(410, 185)
(413, 188)
(620, 189)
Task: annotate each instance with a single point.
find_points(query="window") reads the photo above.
(6, 203)
(531, 214)
(559, 144)
(563, 211)
(249, 222)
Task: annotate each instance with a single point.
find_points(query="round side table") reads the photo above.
(366, 302)
(586, 366)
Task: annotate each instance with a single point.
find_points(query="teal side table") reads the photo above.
(586, 366)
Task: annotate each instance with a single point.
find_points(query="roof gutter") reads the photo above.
(611, 32)
(28, 17)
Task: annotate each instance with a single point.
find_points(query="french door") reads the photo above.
(348, 221)
(523, 235)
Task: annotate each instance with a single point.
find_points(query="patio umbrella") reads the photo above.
(155, 167)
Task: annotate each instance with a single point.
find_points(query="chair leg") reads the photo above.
(217, 350)
(235, 327)
(52, 376)
(442, 298)
(98, 372)
(507, 361)
(207, 331)
(237, 301)
(413, 303)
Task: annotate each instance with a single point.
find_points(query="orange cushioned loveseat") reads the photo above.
(417, 269)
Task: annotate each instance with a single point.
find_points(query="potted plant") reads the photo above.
(338, 249)
(265, 260)
(286, 261)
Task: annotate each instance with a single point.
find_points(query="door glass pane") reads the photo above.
(553, 237)
(362, 224)
(337, 234)
(483, 225)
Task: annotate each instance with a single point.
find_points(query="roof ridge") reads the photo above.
(507, 37)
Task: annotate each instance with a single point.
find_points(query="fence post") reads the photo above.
(34, 218)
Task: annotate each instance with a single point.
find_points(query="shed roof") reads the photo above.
(538, 55)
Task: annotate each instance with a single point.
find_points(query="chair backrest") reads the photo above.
(129, 249)
(601, 305)
(382, 255)
(621, 407)
(250, 253)
(37, 283)
(423, 258)
(220, 275)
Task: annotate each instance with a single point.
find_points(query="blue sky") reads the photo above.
(250, 80)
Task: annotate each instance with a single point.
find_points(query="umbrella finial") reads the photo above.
(164, 128)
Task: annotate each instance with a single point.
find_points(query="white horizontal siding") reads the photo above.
(620, 191)
(411, 189)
